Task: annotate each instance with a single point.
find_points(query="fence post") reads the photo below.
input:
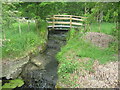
(19, 27)
(28, 22)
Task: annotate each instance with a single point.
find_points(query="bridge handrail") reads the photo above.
(66, 17)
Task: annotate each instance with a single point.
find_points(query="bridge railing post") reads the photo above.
(70, 21)
(53, 23)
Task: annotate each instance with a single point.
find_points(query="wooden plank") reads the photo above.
(76, 23)
(65, 18)
(77, 19)
(69, 16)
(59, 18)
(60, 22)
(62, 15)
(48, 18)
(80, 16)
(60, 26)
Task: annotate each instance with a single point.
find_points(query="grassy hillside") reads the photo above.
(21, 44)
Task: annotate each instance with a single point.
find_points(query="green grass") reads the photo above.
(21, 44)
(82, 49)
(76, 49)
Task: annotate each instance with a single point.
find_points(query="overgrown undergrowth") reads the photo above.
(22, 43)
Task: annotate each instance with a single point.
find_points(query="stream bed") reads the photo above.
(45, 77)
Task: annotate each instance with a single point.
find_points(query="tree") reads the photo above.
(8, 16)
(39, 10)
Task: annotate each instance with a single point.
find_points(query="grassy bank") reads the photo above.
(22, 43)
(72, 56)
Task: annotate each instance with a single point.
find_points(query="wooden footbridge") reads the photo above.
(63, 22)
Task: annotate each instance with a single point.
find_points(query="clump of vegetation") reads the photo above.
(13, 84)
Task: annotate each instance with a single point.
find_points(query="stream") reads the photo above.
(47, 77)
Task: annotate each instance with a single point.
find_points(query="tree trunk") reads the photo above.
(85, 9)
(86, 25)
(4, 36)
(118, 25)
(99, 27)
(37, 21)
(101, 17)
(89, 27)
(117, 22)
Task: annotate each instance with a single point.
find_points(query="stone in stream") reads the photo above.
(36, 62)
(40, 61)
